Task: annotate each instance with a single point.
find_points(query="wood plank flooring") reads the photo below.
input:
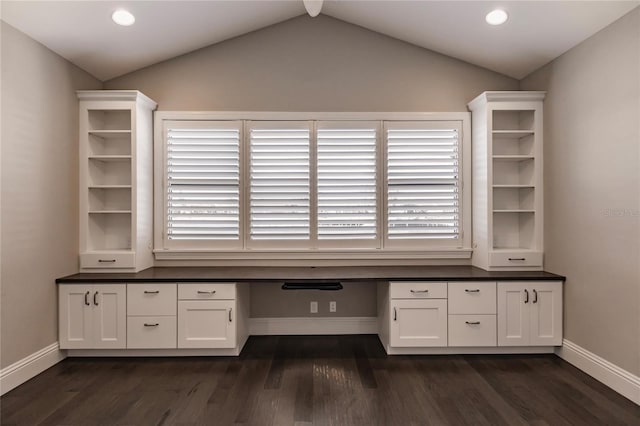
(316, 380)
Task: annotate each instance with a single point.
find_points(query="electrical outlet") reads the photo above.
(314, 307)
(332, 306)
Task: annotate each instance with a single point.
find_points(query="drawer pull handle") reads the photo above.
(95, 298)
(472, 322)
(206, 292)
(395, 314)
(106, 260)
(230, 315)
(151, 292)
(517, 258)
(86, 298)
(535, 296)
(155, 324)
(475, 290)
(526, 296)
(419, 291)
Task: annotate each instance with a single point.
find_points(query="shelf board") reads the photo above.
(110, 157)
(512, 134)
(514, 186)
(109, 187)
(513, 157)
(511, 249)
(109, 211)
(108, 134)
(514, 211)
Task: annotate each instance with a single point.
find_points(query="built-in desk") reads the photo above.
(205, 310)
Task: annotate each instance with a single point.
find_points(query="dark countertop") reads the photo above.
(318, 274)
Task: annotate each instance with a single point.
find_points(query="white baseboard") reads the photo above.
(618, 379)
(313, 326)
(19, 372)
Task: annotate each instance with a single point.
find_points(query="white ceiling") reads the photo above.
(536, 33)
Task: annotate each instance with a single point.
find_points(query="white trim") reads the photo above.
(355, 254)
(27, 368)
(451, 350)
(153, 352)
(116, 95)
(319, 116)
(618, 379)
(312, 326)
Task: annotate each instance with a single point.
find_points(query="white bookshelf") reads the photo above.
(116, 150)
(507, 180)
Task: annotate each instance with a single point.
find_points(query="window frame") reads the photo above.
(312, 251)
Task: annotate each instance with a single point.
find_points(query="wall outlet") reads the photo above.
(332, 306)
(314, 307)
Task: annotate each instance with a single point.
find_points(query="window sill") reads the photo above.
(452, 253)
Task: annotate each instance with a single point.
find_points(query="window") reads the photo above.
(338, 185)
(203, 183)
(423, 183)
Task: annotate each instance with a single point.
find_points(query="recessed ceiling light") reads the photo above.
(496, 17)
(123, 17)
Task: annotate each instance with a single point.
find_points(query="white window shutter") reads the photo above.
(203, 178)
(423, 183)
(279, 181)
(346, 185)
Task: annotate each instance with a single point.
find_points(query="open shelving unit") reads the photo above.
(507, 180)
(115, 176)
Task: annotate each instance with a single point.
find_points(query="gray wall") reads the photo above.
(592, 188)
(313, 64)
(39, 189)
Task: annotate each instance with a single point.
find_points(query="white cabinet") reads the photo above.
(507, 180)
(116, 185)
(207, 315)
(151, 315)
(92, 316)
(472, 314)
(530, 313)
(418, 314)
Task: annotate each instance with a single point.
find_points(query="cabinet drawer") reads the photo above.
(472, 330)
(417, 290)
(200, 291)
(107, 260)
(472, 298)
(515, 258)
(151, 299)
(151, 332)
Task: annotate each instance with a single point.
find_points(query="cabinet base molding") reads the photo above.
(618, 379)
(501, 350)
(312, 326)
(27, 368)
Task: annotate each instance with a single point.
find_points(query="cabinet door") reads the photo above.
(546, 314)
(75, 320)
(206, 324)
(418, 323)
(109, 316)
(514, 300)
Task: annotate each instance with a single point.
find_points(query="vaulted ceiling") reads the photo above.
(536, 32)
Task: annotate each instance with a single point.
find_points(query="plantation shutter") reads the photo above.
(346, 185)
(203, 181)
(279, 181)
(423, 181)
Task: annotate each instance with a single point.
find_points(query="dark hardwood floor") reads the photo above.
(316, 380)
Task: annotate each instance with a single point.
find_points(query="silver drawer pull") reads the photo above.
(151, 292)
(106, 260)
(419, 291)
(475, 290)
(517, 258)
(155, 324)
(206, 292)
(472, 322)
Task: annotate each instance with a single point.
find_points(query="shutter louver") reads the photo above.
(423, 183)
(279, 198)
(346, 186)
(203, 175)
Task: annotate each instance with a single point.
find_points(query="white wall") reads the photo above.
(39, 189)
(592, 188)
